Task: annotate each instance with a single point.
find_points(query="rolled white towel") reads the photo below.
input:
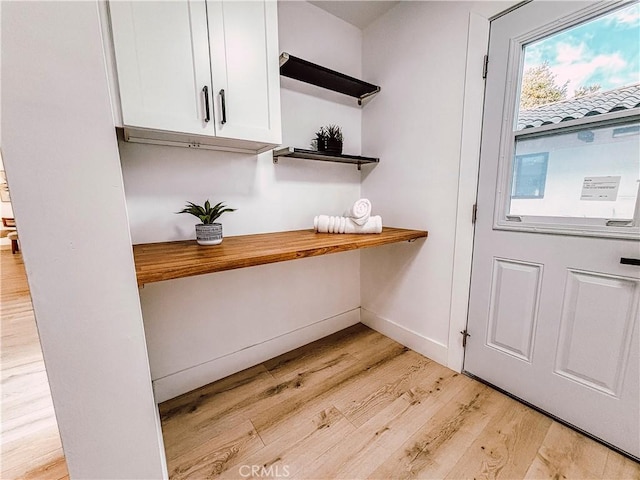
(331, 224)
(372, 225)
(359, 211)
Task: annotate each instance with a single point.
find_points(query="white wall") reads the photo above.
(417, 52)
(61, 156)
(203, 328)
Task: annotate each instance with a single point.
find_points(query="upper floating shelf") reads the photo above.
(323, 156)
(298, 69)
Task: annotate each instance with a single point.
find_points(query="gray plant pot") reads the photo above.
(209, 234)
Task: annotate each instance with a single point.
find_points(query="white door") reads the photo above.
(245, 69)
(162, 57)
(554, 305)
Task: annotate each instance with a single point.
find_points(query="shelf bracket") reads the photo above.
(367, 95)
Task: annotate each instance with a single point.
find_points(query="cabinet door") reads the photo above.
(245, 69)
(162, 57)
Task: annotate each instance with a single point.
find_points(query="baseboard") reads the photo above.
(186, 380)
(423, 345)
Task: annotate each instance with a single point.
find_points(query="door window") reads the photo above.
(571, 160)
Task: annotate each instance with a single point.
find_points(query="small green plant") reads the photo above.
(333, 132)
(206, 214)
(319, 143)
(328, 138)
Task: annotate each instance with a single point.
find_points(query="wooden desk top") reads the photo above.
(168, 260)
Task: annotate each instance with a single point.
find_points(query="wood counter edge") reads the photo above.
(168, 267)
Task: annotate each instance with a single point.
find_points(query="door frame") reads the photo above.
(469, 166)
(471, 134)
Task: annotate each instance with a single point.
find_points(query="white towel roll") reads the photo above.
(359, 211)
(372, 225)
(329, 224)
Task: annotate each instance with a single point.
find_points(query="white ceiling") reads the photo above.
(358, 13)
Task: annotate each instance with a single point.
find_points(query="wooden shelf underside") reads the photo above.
(156, 262)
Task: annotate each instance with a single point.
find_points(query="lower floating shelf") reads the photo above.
(322, 156)
(156, 262)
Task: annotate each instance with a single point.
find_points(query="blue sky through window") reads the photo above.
(604, 51)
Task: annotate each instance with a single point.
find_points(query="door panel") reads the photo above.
(515, 293)
(553, 315)
(244, 64)
(162, 56)
(588, 299)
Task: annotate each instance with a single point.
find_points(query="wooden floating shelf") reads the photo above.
(156, 262)
(322, 156)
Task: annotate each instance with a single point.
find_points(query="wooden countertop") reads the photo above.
(164, 261)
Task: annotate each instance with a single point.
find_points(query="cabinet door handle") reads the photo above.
(224, 107)
(207, 114)
(630, 261)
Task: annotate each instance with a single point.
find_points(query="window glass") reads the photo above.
(567, 75)
(577, 165)
(588, 173)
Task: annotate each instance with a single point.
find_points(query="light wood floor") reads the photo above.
(353, 405)
(29, 439)
(357, 405)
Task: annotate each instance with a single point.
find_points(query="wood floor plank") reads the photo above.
(30, 444)
(392, 383)
(239, 384)
(215, 409)
(54, 470)
(565, 453)
(33, 450)
(211, 458)
(310, 397)
(31, 423)
(298, 448)
(358, 455)
(289, 364)
(620, 468)
(506, 447)
(431, 452)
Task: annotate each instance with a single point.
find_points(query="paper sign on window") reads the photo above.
(600, 188)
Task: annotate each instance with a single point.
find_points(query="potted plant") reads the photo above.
(333, 139)
(208, 232)
(320, 142)
(328, 139)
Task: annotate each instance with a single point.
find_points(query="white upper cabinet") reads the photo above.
(245, 69)
(162, 57)
(199, 73)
